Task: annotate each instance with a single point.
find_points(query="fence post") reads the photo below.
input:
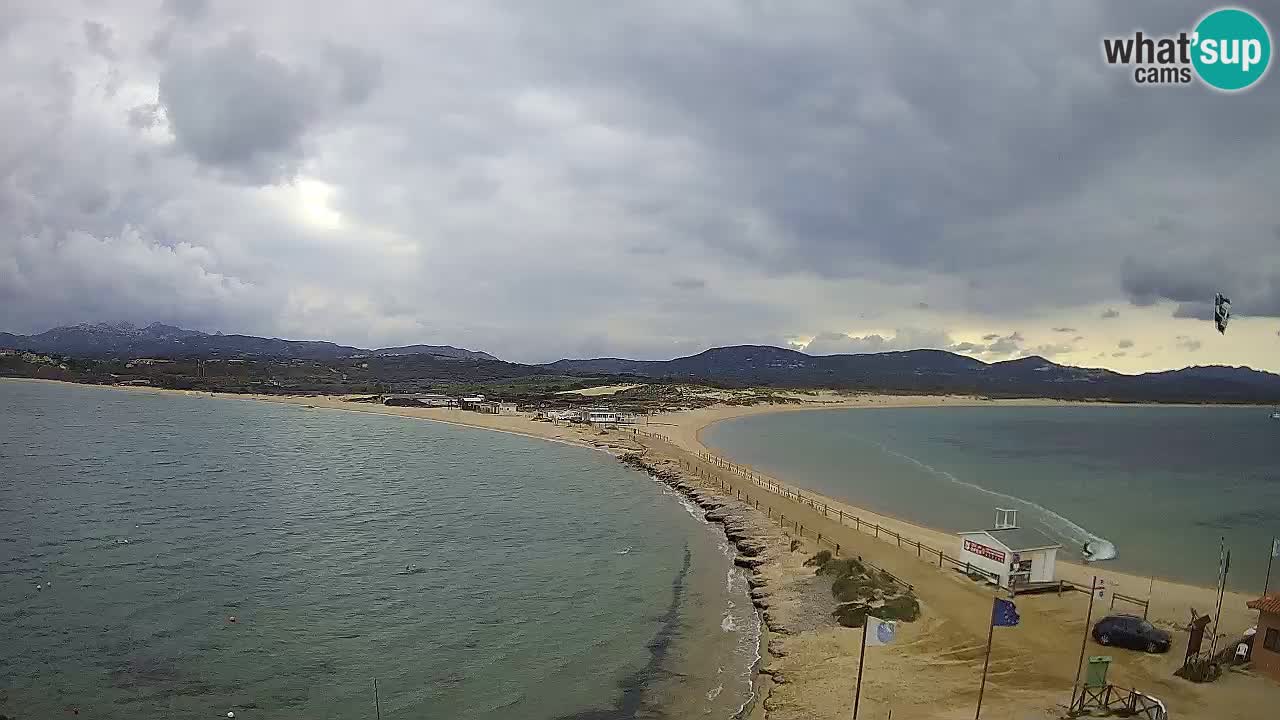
(899, 542)
(837, 548)
(939, 558)
(918, 550)
(841, 517)
(877, 531)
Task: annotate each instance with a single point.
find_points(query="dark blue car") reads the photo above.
(1131, 631)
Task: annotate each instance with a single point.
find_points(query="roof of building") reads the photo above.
(1020, 539)
(1267, 603)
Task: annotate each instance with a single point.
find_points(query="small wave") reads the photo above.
(728, 623)
(623, 552)
(1054, 522)
(714, 693)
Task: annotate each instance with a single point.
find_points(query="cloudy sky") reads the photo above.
(646, 179)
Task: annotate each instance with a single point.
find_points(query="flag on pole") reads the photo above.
(880, 632)
(1004, 613)
(1275, 547)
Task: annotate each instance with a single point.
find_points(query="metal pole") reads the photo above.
(1271, 555)
(857, 694)
(1084, 641)
(376, 705)
(1213, 645)
(990, 633)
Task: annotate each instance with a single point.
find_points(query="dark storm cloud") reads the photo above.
(316, 169)
(237, 108)
(1254, 288)
(98, 37)
(189, 10)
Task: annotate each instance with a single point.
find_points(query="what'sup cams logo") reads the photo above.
(1229, 50)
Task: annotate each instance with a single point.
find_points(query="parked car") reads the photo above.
(1131, 631)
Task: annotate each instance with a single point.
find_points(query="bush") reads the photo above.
(852, 587)
(850, 615)
(903, 607)
(795, 545)
(842, 567)
(821, 558)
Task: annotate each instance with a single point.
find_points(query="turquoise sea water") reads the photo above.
(150, 520)
(1162, 483)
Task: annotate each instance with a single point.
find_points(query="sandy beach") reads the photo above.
(933, 671)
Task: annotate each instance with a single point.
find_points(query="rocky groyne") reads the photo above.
(760, 546)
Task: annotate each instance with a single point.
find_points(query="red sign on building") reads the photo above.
(983, 550)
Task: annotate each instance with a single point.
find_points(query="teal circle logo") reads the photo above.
(1232, 49)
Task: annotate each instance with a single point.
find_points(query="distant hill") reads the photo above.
(938, 371)
(439, 350)
(122, 340)
(913, 371)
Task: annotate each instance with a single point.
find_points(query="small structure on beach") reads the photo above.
(1021, 556)
(1266, 641)
(600, 416)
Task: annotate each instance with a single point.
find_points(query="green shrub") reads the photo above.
(821, 558)
(903, 607)
(852, 587)
(850, 614)
(842, 567)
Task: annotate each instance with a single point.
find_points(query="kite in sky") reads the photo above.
(1221, 312)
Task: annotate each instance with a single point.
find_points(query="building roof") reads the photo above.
(1267, 603)
(1020, 539)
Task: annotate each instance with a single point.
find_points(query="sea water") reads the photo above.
(545, 580)
(1164, 484)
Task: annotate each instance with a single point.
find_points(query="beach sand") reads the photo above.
(934, 668)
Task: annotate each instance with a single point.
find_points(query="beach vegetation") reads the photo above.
(822, 557)
(795, 545)
(860, 589)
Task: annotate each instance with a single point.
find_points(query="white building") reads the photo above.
(1011, 553)
(599, 416)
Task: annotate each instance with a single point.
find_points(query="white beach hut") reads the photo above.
(1010, 553)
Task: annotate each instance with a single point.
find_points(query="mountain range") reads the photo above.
(100, 340)
(942, 372)
(913, 371)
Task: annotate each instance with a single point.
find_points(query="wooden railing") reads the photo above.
(1109, 700)
(840, 516)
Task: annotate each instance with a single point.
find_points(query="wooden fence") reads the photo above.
(871, 528)
(1112, 700)
(844, 519)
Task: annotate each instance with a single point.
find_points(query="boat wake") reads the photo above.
(1095, 547)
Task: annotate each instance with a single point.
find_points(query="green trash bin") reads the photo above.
(1096, 676)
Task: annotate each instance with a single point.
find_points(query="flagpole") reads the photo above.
(1084, 641)
(1221, 589)
(991, 630)
(1271, 555)
(857, 694)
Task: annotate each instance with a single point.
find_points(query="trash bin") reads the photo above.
(1096, 676)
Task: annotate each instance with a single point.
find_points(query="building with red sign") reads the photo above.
(1011, 553)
